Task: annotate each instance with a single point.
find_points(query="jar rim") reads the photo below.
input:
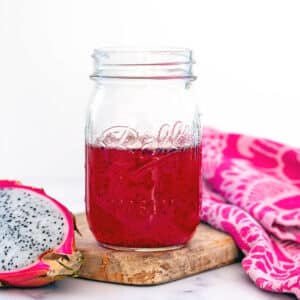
(133, 55)
(141, 63)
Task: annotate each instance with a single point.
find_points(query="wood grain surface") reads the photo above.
(208, 249)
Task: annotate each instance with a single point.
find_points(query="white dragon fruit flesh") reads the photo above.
(36, 237)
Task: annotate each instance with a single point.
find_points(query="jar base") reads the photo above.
(137, 249)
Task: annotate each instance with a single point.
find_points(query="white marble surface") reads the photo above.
(225, 283)
(228, 282)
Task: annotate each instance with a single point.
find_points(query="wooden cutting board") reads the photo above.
(208, 249)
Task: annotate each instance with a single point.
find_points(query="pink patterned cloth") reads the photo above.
(252, 192)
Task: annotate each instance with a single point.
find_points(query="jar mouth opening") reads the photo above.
(141, 63)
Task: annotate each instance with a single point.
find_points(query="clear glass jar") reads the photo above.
(143, 149)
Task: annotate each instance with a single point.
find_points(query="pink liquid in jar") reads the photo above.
(143, 198)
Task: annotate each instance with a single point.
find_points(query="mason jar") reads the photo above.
(143, 149)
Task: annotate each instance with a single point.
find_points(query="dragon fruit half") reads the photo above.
(36, 237)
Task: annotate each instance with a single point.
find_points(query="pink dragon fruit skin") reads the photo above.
(49, 265)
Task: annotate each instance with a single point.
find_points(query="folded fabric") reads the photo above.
(252, 191)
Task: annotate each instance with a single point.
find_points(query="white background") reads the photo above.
(248, 67)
